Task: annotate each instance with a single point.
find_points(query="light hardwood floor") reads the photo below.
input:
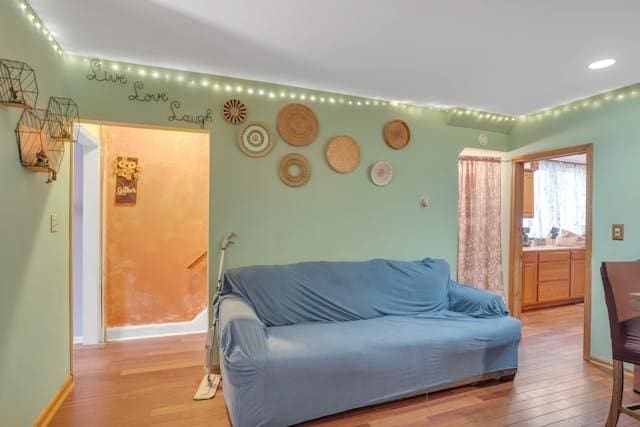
(151, 382)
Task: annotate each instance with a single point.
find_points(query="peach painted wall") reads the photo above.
(150, 244)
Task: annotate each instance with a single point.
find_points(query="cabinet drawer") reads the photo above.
(577, 254)
(553, 291)
(530, 257)
(556, 270)
(555, 256)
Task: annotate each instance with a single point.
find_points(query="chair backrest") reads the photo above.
(621, 281)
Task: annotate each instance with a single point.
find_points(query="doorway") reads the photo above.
(550, 235)
(141, 218)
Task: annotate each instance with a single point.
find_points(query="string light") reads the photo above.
(618, 95)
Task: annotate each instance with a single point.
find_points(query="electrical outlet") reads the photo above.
(53, 222)
(617, 231)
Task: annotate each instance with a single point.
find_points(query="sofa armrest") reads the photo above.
(240, 331)
(243, 359)
(475, 302)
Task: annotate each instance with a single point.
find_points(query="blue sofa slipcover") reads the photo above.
(302, 341)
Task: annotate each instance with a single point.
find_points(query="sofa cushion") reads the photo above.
(317, 369)
(341, 291)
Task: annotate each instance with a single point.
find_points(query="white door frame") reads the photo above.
(89, 215)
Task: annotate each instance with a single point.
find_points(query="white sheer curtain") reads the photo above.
(479, 245)
(560, 198)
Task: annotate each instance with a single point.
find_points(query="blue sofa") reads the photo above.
(302, 341)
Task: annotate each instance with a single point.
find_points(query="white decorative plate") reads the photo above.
(255, 140)
(381, 173)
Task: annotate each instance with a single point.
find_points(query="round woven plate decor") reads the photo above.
(381, 173)
(397, 134)
(234, 111)
(294, 161)
(255, 140)
(343, 154)
(297, 125)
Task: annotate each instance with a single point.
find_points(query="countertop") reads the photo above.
(551, 248)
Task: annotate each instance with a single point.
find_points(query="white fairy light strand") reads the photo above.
(222, 84)
(40, 27)
(593, 102)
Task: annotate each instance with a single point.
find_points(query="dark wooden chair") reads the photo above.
(620, 281)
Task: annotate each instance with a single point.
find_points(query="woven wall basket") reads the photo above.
(234, 111)
(343, 154)
(291, 161)
(397, 134)
(381, 173)
(255, 140)
(297, 125)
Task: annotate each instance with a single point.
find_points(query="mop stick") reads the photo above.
(209, 384)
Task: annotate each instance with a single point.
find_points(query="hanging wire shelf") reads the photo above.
(38, 151)
(62, 115)
(18, 85)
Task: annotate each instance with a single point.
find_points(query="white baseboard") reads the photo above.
(77, 340)
(198, 325)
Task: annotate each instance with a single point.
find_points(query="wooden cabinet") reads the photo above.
(553, 290)
(552, 277)
(578, 266)
(530, 279)
(527, 195)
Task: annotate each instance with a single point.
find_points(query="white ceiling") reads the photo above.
(504, 56)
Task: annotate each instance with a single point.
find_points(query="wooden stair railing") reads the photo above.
(198, 260)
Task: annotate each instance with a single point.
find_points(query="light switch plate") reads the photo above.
(53, 222)
(617, 231)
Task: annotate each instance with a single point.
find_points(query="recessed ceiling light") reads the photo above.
(603, 63)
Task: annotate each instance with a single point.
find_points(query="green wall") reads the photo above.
(334, 216)
(614, 130)
(34, 263)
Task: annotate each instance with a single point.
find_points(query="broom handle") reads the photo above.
(220, 264)
(223, 247)
(211, 335)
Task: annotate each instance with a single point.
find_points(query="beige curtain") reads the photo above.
(479, 248)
